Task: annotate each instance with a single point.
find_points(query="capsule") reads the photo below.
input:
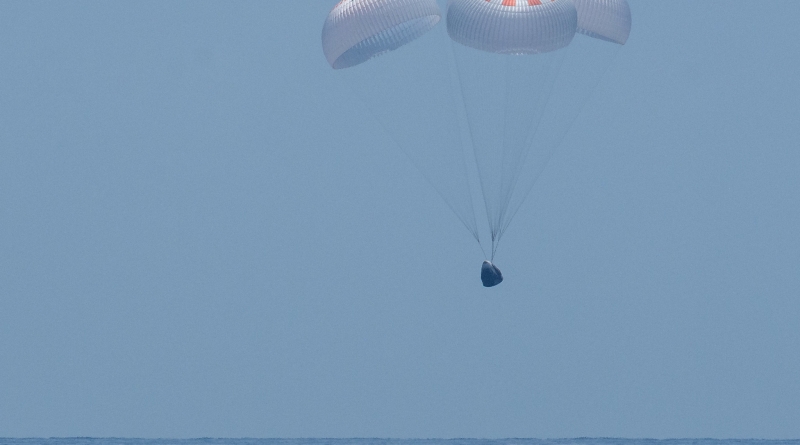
(490, 274)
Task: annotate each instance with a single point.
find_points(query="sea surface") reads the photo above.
(365, 441)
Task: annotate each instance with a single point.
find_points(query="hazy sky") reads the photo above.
(201, 234)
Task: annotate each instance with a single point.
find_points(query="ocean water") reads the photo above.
(366, 441)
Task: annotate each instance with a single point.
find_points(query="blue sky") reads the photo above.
(203, 233)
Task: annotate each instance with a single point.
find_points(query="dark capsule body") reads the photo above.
(490, 274)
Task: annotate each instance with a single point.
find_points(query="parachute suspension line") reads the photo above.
(561, 138)
(484, 251)
(506, 196)
(506, 99)
(471, 132)
(473, 229)
(550, 72)
(464, 168)
(495, 245)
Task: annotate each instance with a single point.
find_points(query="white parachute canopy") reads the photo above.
(502, 82)
(502, 26)
(358, 30)
(525, 76)
(608, 20)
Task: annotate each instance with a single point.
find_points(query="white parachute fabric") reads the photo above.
(506, 86)
(604, 19)
(512, 27)
(358, 30)
(408, 91)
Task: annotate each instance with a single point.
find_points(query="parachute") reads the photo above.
(481, 104)
(358, 30)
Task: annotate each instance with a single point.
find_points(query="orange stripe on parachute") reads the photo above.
(514, 2)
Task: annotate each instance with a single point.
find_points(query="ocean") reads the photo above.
(378, 441)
